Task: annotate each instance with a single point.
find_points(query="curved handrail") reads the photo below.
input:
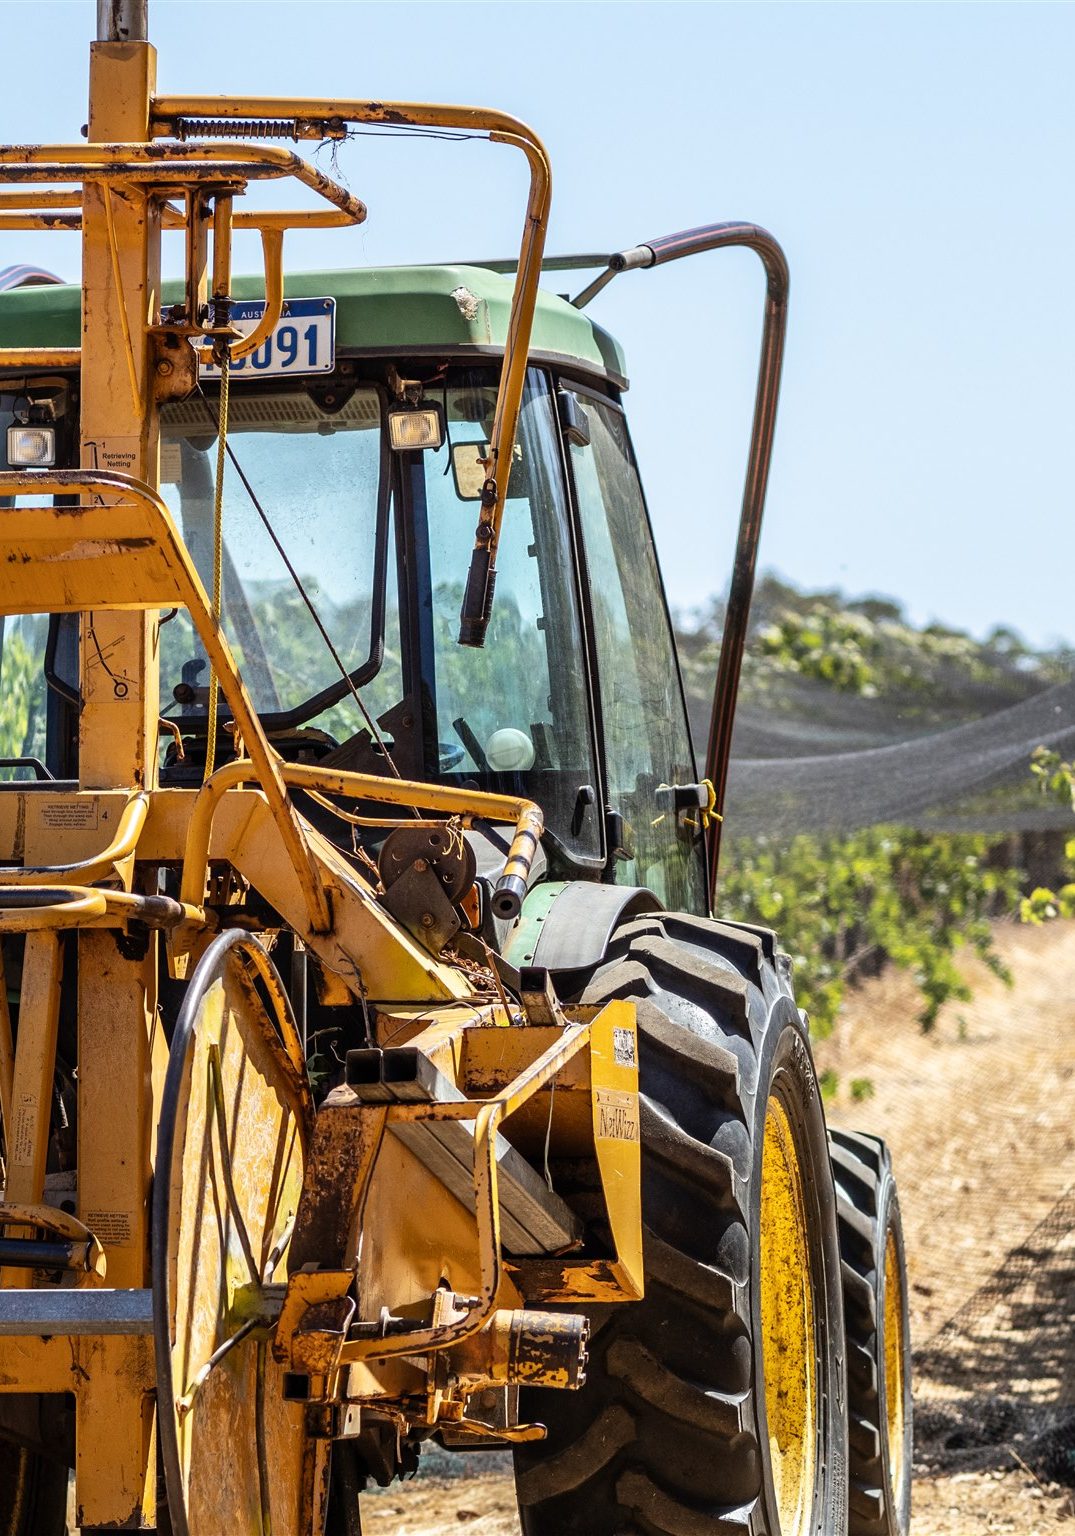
(58, 1223)
(195, 163)
(118, 504)
(313, 118)
(30, 909)
(131, 822)
(654, 253)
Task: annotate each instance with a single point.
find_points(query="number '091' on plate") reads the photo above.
(303, 340)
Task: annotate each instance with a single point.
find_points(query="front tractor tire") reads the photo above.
(716, 1406)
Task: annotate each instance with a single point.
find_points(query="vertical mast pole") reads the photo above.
(122, 21)
(120, 427)
(117, 992)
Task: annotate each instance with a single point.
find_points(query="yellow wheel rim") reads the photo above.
(788, 1334)
(894, 1363)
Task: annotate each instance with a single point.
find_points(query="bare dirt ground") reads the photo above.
(981, 1119)
(484, 1505)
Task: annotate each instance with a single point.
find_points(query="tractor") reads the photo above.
(373, 1071)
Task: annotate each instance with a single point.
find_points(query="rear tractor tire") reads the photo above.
(878, 1336)
(716, 1406)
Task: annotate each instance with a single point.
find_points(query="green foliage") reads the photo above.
(879, 652)
(828, 645)
(1057, 779)
(22, 707)
(842, 905)
(1054, 776)
(846, 905)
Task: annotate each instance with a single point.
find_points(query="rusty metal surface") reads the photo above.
(346, 1136)
(236, 1182)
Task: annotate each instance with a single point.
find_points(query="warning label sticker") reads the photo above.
(112, 1228)
(60, 814)
(623, 1047)
(617, 1115)
(24, 1125)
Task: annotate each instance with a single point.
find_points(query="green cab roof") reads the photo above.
(378, 309)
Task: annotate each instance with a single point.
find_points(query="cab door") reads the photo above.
(647, 744)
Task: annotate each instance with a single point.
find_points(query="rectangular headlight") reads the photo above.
(31, 447)
(415, 427)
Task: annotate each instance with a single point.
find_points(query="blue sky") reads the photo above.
(915, 160)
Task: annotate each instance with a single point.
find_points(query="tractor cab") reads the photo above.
(356, 434)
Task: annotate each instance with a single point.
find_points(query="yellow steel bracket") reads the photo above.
(488, 1116)
(610, 1042)
(196, 170)
(617, 1148)
(128, 554)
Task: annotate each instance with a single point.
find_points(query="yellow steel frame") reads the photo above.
(100, 542)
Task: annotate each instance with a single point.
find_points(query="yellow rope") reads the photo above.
(218, 557)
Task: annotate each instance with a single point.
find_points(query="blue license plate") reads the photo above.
(302, 341)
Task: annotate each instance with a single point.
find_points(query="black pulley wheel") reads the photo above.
(716, 1406)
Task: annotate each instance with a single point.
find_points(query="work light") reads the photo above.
(31, 440)
(31, 447)
(415, 427)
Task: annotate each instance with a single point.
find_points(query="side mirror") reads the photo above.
(468, 469)
(469, 472)
(574, 422)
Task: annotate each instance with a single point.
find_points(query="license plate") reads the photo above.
(303, 340)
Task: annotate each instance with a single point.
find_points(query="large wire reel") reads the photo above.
(235, 1114)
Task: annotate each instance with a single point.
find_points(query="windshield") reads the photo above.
(513, 715)
(318, 474)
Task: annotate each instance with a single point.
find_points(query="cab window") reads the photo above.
(647, 739)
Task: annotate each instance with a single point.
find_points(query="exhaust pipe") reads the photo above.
(122, 21)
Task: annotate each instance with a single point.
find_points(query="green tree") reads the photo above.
(1055, 778)
(22, 690)
(847, 905)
